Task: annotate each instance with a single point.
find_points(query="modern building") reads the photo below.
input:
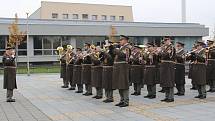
(53, 25)
(80, 11)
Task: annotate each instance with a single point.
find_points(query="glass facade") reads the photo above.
(2, 44)
(47, 45)
(22, 51)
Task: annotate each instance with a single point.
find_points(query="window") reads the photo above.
(2, 45)
(75, 16)
(65, 16)
(54, 15)
(56, 43)
(104, 17)
(47, 45)
(84, 16)
(94, 17)
(121, 18)
(112, 18)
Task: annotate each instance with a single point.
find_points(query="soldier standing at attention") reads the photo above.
(167, 69)
(180, 69)
(121, 71)
(9, 73)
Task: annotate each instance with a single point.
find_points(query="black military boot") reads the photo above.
(134, 93)
(11, 100)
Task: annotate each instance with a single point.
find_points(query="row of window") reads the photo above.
(86, 17)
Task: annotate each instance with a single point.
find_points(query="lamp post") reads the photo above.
(27, 32)
(183, 11)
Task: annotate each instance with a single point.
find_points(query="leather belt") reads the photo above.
(120, 62)
(168, 61)
(107, 66)
(149, 66)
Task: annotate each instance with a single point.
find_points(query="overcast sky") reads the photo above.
(198, 11)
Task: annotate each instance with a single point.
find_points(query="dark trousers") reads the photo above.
(124, 95)
(151, 90)
(212, 85)
(169, 92)
(88, 88)
(180, 88)
(99, 91)
(201, 90)
(109, 94)
(80, 87)
(137, 87)
(9, 94)
(65, 82)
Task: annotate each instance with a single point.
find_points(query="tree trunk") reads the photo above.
(16, 49)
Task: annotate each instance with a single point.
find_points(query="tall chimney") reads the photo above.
(183, 11)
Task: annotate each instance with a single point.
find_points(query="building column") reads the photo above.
(30, 46)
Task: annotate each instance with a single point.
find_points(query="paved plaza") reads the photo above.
(40, 98)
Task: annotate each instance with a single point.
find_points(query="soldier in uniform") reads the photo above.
(63, 70)
(136, 70)
(69, 67)
(211, 65)
(150, 72)
(121, 71)
(191, 57)
(199, 70)
(96, 72)
(78, 59)
(167, 69)
(180, 69)
(9, 73)
(108, 60)
(86, 69)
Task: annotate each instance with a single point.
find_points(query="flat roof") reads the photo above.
(85, 3)
(90, 22)
(100, 28)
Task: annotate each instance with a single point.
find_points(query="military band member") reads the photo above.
(63, 70)
(150, 72)
(9, 73)
(199, 70)
(180, 69)
(107, 74)
(211, 65)
(121, 71)
(167, 69)
(78, 59)
(86, 69)
(69, 66)
(136, 70)
(158, 75)
(96, 72)
(191, 58)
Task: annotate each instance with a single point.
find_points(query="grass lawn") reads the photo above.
(42, 69)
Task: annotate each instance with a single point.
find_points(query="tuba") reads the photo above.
(68, 54)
